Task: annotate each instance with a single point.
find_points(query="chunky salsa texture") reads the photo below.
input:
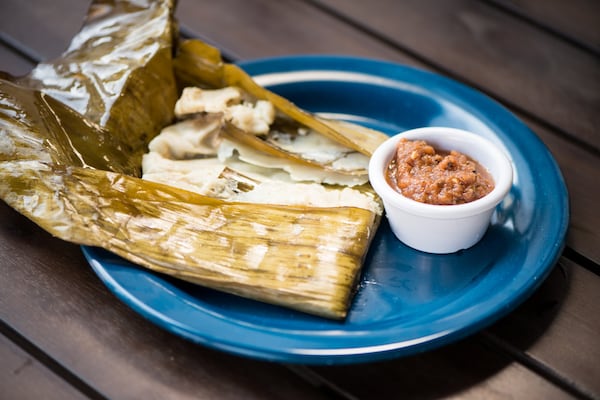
(422, 173)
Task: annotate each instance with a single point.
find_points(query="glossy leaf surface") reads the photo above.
(71, 138)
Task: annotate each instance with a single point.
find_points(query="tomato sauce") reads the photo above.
(421, 173)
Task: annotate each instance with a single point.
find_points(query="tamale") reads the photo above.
(198, 64)
(72, 134)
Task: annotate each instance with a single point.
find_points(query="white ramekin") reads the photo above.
(441, 228)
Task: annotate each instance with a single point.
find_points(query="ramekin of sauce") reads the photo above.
(439, 186)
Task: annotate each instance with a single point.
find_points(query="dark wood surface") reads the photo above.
(64, 335)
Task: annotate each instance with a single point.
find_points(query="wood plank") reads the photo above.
(580, 171)
(576, 19)
(554, 326)
(23, 377)
(55, 301)
(35, 23)
(13, 63)
(264, 28)
(498, 53)
(465, 370)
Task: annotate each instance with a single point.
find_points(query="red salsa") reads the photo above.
(423, 174)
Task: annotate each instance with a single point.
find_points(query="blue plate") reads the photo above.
(408, 301)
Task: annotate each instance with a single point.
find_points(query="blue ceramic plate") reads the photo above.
(408, 301)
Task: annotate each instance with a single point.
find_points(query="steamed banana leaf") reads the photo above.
(117, 72)
(72, 134)
(197, 59)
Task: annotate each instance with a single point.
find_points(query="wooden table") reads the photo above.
(64, 335)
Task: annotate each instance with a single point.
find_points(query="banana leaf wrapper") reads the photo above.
(72, 134)
(196, 59)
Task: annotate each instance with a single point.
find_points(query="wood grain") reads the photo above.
(48, 29)
(580, 170)
(23, 377)
(253, 31)
(13, 63)
(465, 370)
(500, 54)
(554, 327)
(575, 19)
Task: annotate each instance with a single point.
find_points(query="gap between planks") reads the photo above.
(445, 71)
(45, 359)
(534, 365)
(517, 13)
